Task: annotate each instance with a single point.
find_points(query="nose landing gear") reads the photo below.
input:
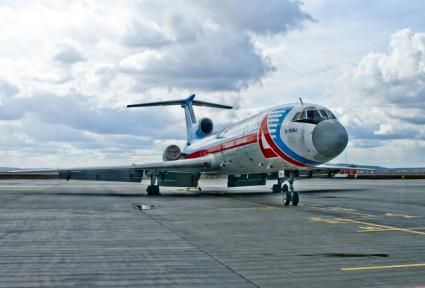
(288, 193)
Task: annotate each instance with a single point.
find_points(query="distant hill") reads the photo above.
(386, 170)
(7, 169)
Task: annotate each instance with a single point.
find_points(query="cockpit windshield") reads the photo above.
(313, 115)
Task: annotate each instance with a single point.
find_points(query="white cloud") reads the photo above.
(392, 82)
(69, 67)
(396, 77)
(384, 98)
(204, 45)
(7, 89)
(69, 55)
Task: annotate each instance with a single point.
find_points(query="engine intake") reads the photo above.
(205, 127)
(172, 153)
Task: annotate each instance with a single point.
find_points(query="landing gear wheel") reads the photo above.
(153, 190)
(295, 198)
(276, 188)
(287, 197)
(285, 188)
(149, 190)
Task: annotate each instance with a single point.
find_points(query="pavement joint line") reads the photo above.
(383, 267)
(201, 250)
(198, 247)
(382, 226)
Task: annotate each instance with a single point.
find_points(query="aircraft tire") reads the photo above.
(153, 190)
(149, 190)
(285, 188)
(295, 198)
(156, 190)
(276, 188)
(287, 198)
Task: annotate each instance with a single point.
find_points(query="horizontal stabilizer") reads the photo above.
(187, 104)
(182, 103)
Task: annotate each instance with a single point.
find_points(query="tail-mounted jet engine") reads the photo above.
(205, 127)
(172, 153)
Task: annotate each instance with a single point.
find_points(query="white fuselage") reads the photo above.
(272, 140)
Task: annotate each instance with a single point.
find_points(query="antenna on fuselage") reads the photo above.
(301, 101)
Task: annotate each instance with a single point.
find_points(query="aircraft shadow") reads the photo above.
(183, 194)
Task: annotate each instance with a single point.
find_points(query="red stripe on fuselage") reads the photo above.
(241, 141)
(267, 152)
(265, 130)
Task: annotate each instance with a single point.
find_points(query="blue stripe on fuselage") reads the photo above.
(276, 136)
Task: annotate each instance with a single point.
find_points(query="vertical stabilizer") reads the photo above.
(187, 104)
(190, 118)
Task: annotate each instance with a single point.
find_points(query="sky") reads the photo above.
(69, 68)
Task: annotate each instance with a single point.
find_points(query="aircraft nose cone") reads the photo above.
(330, 138)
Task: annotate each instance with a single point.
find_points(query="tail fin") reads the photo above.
(187, 104)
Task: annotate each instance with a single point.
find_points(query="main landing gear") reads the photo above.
(152, 189)
(288, 193)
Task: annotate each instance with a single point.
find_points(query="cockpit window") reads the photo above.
(324, 114)
(296, 116)
(312, 115)
(331, 115)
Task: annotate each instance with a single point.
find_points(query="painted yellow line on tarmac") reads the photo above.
(379, 229)
(383, 267)
(341, 209)
(382, 226)
(407, 216)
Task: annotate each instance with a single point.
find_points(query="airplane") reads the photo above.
(287, 142)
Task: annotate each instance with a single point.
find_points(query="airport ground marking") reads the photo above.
(407, 216)
(343, 210)
(363, 229)
(355, 212)
(369, 227)
(390, 228)
(383, 267)
(327, 220)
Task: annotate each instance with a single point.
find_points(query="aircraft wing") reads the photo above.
(328, 170)
(131, 173)
(345, 167)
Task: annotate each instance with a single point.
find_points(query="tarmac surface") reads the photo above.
(344, 233)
